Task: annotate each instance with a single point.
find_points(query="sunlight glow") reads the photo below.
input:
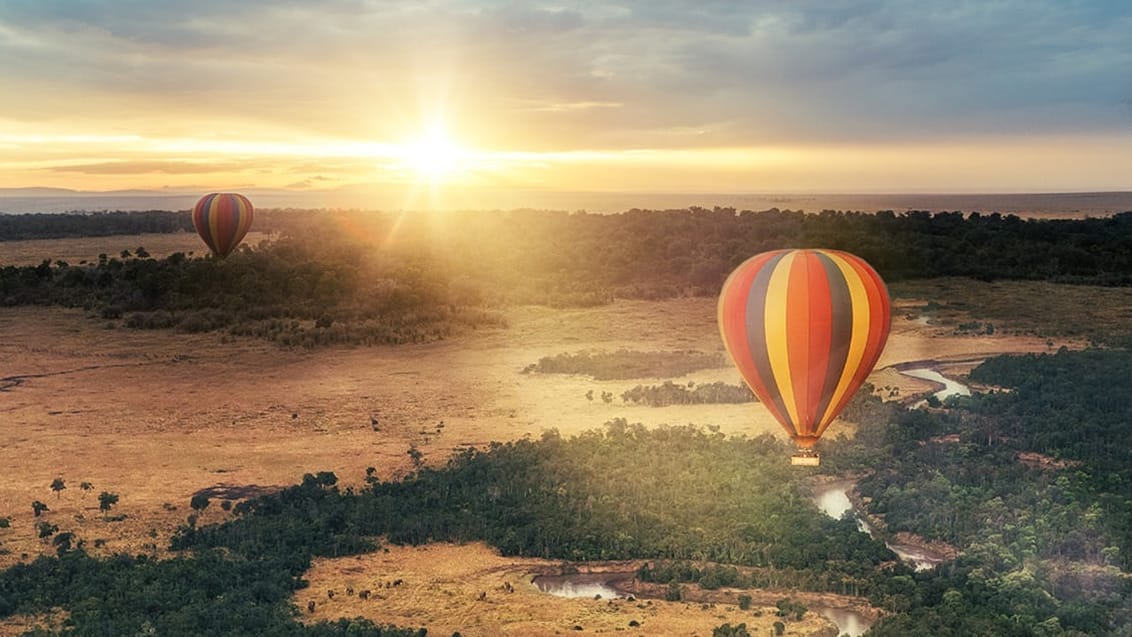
(434, 156)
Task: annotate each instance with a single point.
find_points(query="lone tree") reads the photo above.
(199, 502)
(86, 486)
(46, 529)
(64, 542)
(57, 485)
(415, 456)
(106, 500)
(38, 507)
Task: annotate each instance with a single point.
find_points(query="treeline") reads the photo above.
(669, 393)
(16, 227)
(624, 493)
(623, 364)
(652, 254)
(382, 278)
(91, 224)
(299, 291)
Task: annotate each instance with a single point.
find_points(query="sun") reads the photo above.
(433, 156)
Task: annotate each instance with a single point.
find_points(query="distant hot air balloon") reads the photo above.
(805, 328)
(222, 220)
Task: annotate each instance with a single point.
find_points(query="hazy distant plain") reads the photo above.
(1047, 205)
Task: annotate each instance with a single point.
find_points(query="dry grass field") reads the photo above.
(440, 586)
(158, 245)
(156, 416)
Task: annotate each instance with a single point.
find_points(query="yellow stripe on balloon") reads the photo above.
(859, 299)
(777, 327)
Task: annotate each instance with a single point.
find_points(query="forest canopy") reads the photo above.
(354, 277)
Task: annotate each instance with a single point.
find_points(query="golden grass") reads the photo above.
(158, 245)
(442, 583)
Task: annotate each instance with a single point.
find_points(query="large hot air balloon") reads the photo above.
(805, 328)
(222, 219)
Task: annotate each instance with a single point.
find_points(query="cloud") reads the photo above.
(148, 167)
(596, 75)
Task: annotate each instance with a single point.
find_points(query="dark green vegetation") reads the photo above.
(94, 224)
(669, 393)
(296, 292)
(694, 247)
(386, 278)
(692, 495)
(624, 364)
(207, 594)
(1034, 485)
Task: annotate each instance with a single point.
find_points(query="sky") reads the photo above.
(868, 96)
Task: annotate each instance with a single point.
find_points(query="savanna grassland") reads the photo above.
(422, 362)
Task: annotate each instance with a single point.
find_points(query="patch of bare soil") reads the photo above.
(471, 589)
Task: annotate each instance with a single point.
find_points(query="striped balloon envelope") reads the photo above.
(804, 328)
(222, 219)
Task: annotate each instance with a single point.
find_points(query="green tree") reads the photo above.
(38, 507)
(57, 485)
(415, 456)
(106, 500)
(727, 630)
(63, 542)
(199, 502)
(46, 529)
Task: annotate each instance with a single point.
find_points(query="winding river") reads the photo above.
(833, 500)
(587, 585)
(592, 585)
(950, 387)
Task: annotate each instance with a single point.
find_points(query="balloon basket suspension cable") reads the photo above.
(805, 458)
